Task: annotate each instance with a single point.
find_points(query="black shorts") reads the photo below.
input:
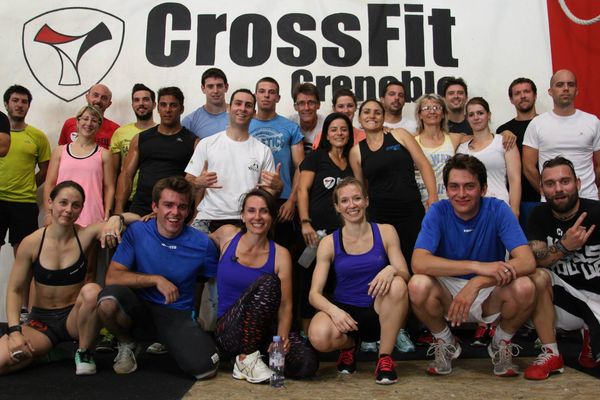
(52, 323)
(19, 219)
(367, 319)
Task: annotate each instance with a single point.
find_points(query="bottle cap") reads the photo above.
(277, 338)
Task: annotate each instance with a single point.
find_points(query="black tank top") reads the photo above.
(390, 172)
(160, 156)
(61, 277)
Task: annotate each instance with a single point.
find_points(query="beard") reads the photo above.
(527, 108)
(144, 117)
(567, 206)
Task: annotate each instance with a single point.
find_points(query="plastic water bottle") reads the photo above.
(277, 362)
(310, 252)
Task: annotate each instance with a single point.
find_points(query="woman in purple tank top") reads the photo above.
(254, 285)
(370, 300)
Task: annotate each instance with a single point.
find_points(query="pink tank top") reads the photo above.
(89, 173)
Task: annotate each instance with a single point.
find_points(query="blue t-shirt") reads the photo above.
(280, 134)
(485, 238)
(204, 124)
(180, 260)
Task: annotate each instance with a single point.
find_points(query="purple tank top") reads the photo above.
(234, 278)
(353, 272)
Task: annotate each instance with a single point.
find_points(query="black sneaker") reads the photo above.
(385, 373)
(107, 343)
(346, 363)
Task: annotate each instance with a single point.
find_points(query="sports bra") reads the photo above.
(61, 277)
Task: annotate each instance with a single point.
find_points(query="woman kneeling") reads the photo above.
(254, 282)
(370, 299)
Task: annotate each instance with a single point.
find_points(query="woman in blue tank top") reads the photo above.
(65, 305)
(370, 300)
(254, 283)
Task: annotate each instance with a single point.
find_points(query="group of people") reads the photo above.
(422, 217)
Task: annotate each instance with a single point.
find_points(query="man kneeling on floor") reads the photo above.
(151, 284)
(563, 236)
(460, 270)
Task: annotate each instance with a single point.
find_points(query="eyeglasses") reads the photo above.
(310, 103)
(431, 108)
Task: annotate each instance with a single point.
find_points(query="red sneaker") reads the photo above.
(586, 358)
(385, 374)
(346, 363)
(545, 364)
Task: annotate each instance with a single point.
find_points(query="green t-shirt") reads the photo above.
(28, 148)
(119, 143)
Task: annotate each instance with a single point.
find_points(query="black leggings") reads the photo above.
(249, 324)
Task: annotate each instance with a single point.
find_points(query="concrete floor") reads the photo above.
(470, 379)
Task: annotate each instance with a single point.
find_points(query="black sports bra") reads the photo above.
(60, 277)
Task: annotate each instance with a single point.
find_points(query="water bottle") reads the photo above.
(277, 362)
(310, 252)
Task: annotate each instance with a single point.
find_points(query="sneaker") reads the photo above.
(157, 349)
(425, 339)
(403, 342)
(107, 343)
(545, 364)
(444, 353)
(482, 336)
(502, 358)
(385, 373)
(125, 362)
(84, 363)
(537, 344)
(346, 363)
(252, 368)
(586, 357)
(369, 347)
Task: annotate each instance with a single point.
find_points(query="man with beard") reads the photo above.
(100, 96)
(564, 131)
(456, 95)
(522, 93)
(393, 100)
(143, 101)
(158, 152)
(566, 246)
(18, 179)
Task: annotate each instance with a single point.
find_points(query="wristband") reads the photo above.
(306, 221)
(14, 328)
(561, 247)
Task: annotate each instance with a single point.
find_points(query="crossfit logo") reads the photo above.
(70, 49)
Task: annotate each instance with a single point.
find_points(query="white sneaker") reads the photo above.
(252, 368)
(125, 362)
(157, 349)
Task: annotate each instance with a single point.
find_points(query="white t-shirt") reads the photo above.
(492, 157)
(405, 123)
(238, 166)
(309, 137)
(575, 137)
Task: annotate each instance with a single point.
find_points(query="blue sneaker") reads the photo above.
(369, 347)
(403, 342)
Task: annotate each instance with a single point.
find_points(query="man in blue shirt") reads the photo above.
(460, 270)
(285, 140)
(212, 117)
(151, 284)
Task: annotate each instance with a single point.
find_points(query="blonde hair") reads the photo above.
(95, 111)
(438, 99)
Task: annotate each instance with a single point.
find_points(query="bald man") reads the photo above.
(564, 131)
(100, 96)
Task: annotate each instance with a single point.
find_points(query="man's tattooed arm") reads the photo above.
(545, 256)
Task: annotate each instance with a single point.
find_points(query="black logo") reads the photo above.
(70, 49)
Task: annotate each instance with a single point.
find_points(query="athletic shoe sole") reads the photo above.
(238, 375)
